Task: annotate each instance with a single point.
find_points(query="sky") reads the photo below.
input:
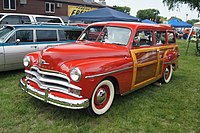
(136, 5)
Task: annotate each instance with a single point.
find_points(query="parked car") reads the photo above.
(17, 18)
(18, 40)
(108, 58)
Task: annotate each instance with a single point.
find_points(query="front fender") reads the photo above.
(95, 70)
(34, 58)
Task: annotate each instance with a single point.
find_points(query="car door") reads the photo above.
(17, 46)
(145, 59)
(1, 57)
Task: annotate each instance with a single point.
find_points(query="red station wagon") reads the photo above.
(108, 58)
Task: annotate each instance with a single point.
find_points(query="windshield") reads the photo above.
(4, 31)
(109, 34)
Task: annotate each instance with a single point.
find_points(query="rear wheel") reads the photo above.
(167, 74)
(102, 98)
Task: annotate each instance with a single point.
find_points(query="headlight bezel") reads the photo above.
(75, 74)
(26, 61)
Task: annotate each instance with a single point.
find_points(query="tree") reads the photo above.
(193, 21)
(124, 9)
(193, 4)
(151, 14)
(161, 19)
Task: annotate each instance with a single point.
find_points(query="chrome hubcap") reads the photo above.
(166, 72)
(101, 96)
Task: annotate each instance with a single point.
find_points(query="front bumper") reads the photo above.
(52, 99)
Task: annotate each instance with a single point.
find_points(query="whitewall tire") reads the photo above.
(102, 98)
(167, 75)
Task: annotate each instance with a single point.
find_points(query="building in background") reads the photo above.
(62, 8)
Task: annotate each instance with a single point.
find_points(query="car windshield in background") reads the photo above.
(112, 35)
(4, 31)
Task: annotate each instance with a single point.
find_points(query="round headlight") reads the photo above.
(75, 74)
(26, 61)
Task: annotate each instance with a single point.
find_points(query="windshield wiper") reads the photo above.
(118, 44)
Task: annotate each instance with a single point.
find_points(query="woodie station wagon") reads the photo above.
(108, 58)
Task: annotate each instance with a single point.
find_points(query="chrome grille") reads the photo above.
(52, 81)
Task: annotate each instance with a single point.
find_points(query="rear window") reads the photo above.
(46, 35)
(25, 20)
(48, 20)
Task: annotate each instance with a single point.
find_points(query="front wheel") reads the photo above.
(167, 74)
(102, 98)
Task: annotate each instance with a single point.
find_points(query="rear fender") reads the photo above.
(171, 57)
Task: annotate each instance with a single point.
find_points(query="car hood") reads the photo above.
(56, 56)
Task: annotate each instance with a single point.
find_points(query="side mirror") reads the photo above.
(17, 41)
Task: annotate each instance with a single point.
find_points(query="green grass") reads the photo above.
(171, 108)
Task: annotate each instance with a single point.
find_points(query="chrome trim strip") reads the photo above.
(102, 74)
(49, 98)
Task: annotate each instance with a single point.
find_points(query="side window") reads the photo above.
(46, 35)
(12, 19)
(25, 20)
(171, 37)
(143, 38)
(160, 37)
(62, 35)
(65, 35)
(25, 35)
(48, 20)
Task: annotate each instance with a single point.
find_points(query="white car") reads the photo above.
(17, 18)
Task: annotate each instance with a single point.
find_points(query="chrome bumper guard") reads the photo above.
(49, 98)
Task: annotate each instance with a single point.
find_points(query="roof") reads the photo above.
(134, 25)
(104, 14)
(46, 26)
(177, 23)
(29, 15)
(80, 2)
